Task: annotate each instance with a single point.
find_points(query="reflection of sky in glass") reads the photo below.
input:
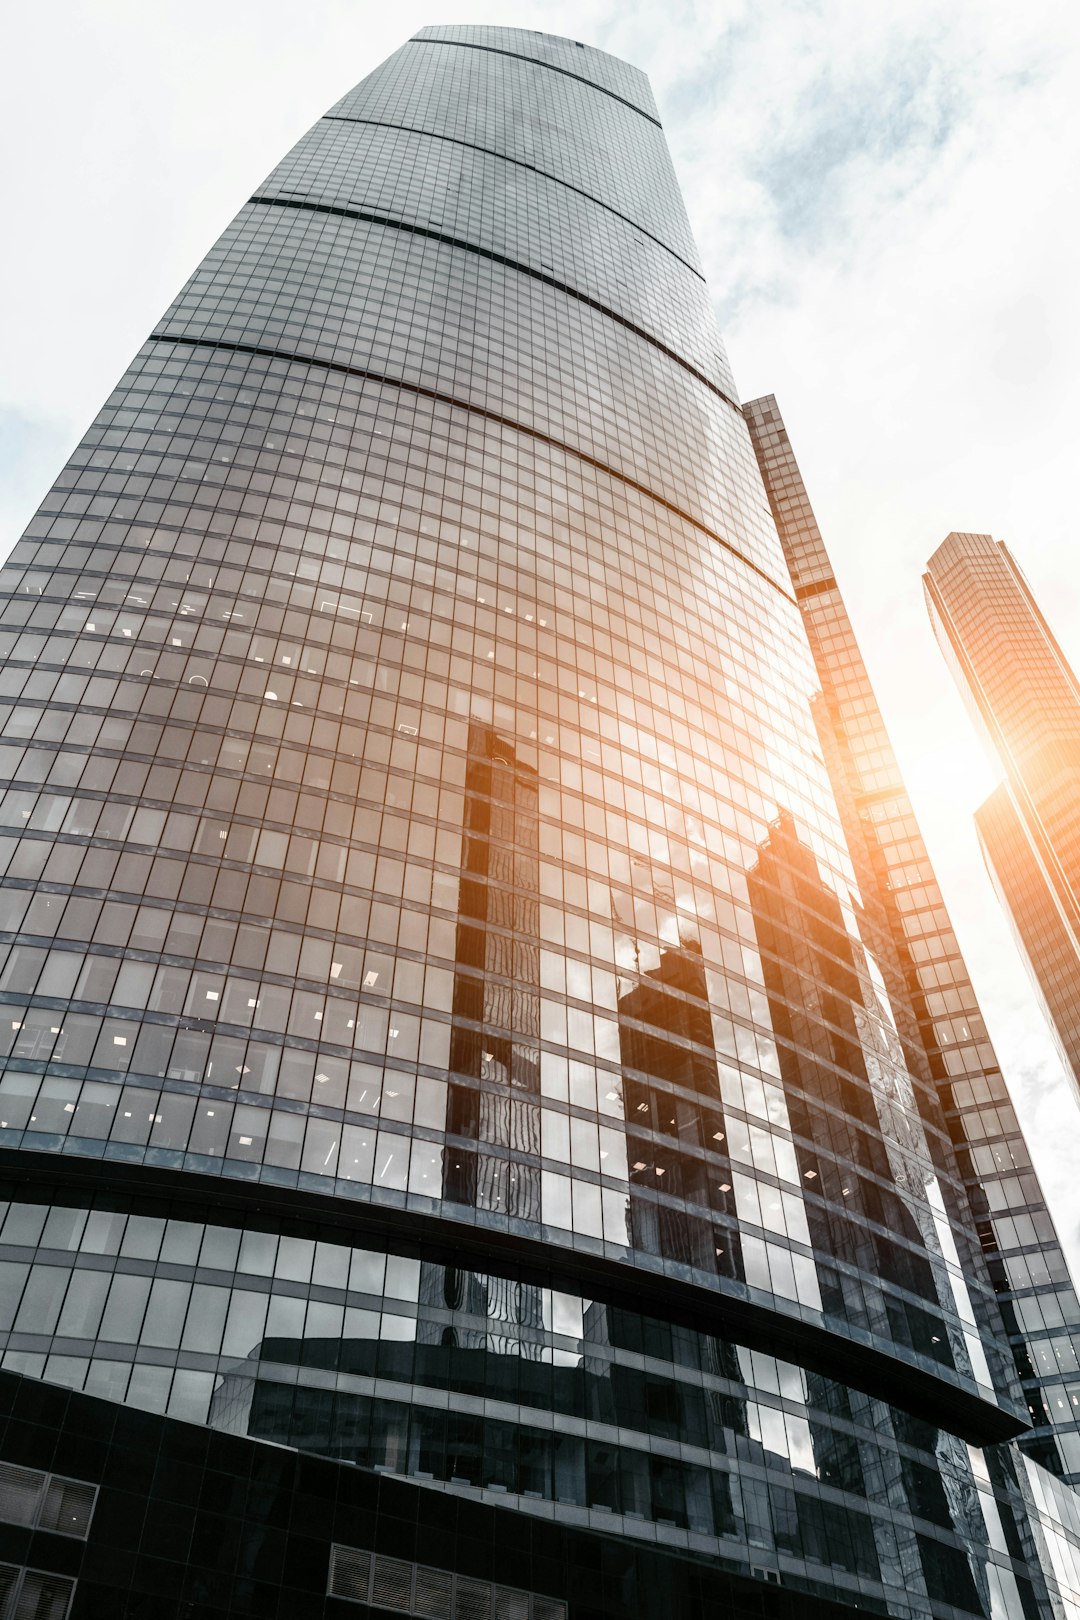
(416, 798)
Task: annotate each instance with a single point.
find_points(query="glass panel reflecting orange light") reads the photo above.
(448, 1020)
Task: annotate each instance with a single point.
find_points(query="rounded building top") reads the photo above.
(596, 67)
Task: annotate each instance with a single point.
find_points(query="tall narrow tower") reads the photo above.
(933, 1001)
(460, 1154)
(1026, 702)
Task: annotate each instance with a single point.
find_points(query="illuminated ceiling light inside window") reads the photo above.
(725, 1186)
(370, 979)
(718, 1136)
(640, 1164)
(811, 1175)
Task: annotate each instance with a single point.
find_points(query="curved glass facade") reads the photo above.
(621, 1420)
(414, 824)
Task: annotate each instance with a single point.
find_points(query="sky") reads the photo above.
(885, 197)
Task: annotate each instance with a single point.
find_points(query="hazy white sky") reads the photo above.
(886, 202)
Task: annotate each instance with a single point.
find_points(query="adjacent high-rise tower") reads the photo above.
(933, 1001)
(461, 1153)
(1026, 702)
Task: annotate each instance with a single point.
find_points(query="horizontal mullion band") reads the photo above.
(532, 168)
(293, 357)
(387, 222)
(536, 61)
(941, 1399)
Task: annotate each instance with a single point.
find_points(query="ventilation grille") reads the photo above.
(431, 1594)
(511, 1605)
(350, 1574)
(391, 1584)
(46, 1502)
(20, 1494)
(32, 1594)
(67, 1507)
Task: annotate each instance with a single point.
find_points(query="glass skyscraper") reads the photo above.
(934, 1004)
(1025, 700)
(463, 1157)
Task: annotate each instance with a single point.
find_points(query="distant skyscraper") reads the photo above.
(933, 1002)
(460, 1152)
(1026, 702)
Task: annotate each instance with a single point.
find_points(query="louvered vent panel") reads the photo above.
(392, 1586)
(434, 1589)
(350, 1573)
(20, 1492)
(43, 1597)
(430, 1594)
(510, 1604)
(68, 1506)
(472, 1600)
(9, 1579)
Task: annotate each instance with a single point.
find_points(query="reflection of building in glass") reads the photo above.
(493, 1107)
(933, 1004)
(680, 1194)
(495, 1033)
(415, 841)
(1025, 701)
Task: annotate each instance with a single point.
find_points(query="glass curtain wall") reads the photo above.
(417, 854)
